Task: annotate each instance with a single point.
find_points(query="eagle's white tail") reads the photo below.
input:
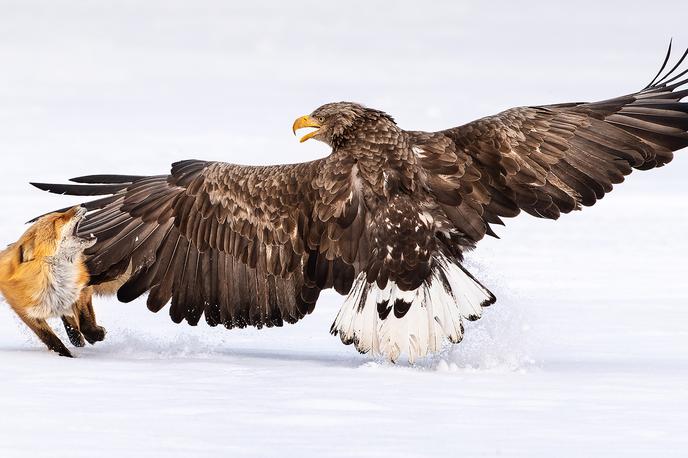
(392, 322)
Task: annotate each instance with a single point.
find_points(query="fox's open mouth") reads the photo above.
(80, 216)
(84, 237)
(77, 224)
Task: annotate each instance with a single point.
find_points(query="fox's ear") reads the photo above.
(26, 253)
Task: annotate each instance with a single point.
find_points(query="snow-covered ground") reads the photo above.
(584, 354)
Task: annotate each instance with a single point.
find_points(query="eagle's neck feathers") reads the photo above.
(386, 162)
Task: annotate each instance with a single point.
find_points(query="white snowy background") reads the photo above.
(585, 352)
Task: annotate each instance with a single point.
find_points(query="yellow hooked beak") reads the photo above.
(306, 121)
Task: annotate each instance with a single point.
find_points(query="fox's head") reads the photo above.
(55, 234)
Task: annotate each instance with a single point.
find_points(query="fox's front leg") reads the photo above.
(86, 317)
(71, 325)
(42, 330)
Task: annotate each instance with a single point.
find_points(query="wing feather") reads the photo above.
(233, 243)
(554, 159)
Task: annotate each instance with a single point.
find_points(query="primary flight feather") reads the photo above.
(385, 218)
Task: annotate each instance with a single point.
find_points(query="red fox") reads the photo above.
(43, 275)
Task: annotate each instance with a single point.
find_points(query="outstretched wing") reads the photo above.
(243, 245)
(549, 160)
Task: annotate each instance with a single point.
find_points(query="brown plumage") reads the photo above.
(389, 211)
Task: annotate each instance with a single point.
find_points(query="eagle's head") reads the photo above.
(334, 122)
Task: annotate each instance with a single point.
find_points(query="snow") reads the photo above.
(585, 352)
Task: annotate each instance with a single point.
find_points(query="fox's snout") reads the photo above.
(75, 213)
(67, 226)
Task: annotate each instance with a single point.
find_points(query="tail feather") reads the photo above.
(392, 322)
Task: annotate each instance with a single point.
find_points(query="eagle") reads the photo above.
(385, 218)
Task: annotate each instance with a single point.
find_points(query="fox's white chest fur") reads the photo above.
(59, 294)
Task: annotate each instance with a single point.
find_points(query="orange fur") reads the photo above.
(43, 275)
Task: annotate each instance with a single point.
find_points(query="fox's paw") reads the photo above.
(73, 332)
(96, 334)
(75, 337)
(60, 349)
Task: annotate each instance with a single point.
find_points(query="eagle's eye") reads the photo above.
(321, 118)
